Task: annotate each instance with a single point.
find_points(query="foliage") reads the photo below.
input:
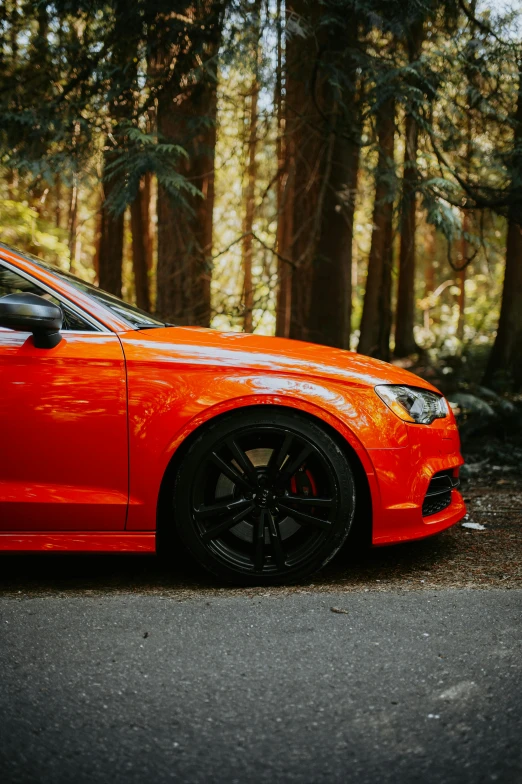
(80, 86)
(138, 153)
(23, 227)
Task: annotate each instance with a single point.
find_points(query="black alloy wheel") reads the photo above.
(264, 496)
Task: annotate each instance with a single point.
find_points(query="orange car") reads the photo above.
(119, 432)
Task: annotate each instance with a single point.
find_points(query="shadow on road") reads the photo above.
(458, 557)
(406, 564)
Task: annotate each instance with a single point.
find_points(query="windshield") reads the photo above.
(134, 316)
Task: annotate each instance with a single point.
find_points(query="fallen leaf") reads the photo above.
(339, 610)
(474, 526)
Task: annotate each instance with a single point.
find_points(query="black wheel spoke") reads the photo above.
(241, 459)
(294, 465)
(277, 458)
(275, 541)
(230, 471)
(226, 524)
(226, 505)
(259, 542)
(304, 518)
(309, 501)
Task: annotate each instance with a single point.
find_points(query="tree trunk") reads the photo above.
(430, 251)
(57, 193)
(97, 240)
(322, 143)
(376, 315)
(330, 313)
(307, 170)
(305, 150)
(385, 299)
(285, 196)
(285, 229)
(461, 278)
(505, 363)
(110, 254)
(404, 338)
(185, 234)
(251, 177)
(146, 205)
(127, 33)
(140, 247)
(187, 115)
(329, 317)
(429, 258)
(72, 224)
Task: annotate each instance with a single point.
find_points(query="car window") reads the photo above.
(12, 283)
(135, 317)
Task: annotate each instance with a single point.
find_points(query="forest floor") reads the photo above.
(457, 558)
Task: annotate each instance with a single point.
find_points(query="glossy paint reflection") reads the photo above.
(270, 355)
(63, 462)
(91, 542)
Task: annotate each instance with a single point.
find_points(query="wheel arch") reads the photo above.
(361, 530)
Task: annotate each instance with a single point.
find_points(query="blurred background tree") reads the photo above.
(342, 171)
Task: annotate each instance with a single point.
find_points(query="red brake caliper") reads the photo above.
(302, 483)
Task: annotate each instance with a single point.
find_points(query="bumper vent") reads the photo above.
(438, 494)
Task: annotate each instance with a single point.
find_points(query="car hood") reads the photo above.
(237, 350)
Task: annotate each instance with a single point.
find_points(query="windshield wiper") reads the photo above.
(154, 326)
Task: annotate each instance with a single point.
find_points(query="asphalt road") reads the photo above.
(399, 687)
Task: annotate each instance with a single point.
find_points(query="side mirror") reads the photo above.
(31, 313)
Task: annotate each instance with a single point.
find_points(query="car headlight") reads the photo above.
(413, 404)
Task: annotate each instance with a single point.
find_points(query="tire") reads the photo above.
(264, 497)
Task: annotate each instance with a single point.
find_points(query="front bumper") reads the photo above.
(401, 479)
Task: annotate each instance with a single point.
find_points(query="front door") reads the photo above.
(63, 427)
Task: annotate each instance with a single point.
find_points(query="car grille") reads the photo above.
(438, 494)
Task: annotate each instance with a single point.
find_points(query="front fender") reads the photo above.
(166, 407)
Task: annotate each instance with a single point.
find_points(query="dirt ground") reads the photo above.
(457, 558)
